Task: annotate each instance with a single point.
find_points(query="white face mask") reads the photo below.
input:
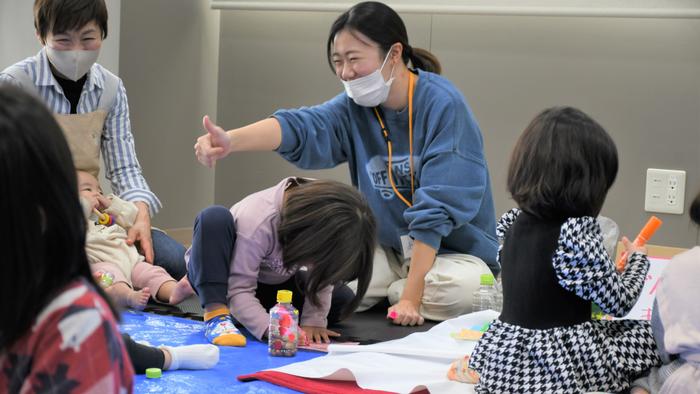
(72, 65)
(370, 90)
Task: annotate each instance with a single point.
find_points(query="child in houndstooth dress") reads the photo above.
(554, 265)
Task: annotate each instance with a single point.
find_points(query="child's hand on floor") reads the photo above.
(311, 334)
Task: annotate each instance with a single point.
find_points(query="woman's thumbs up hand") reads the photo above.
(213, 145)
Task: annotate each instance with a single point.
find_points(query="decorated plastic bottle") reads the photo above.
(283, 333)
(485, 297)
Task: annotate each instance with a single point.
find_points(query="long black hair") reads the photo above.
(381, 24)
(42, 232)
(563, 165)
(328, 227)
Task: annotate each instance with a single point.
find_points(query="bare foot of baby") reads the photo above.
(182, 290)
(138, 299)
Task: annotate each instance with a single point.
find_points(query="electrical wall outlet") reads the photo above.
(665, 191)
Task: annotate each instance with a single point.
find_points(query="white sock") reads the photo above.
(192, 356)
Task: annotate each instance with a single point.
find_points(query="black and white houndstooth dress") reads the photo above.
(544, 340)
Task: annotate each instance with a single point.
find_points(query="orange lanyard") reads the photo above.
(385, 131)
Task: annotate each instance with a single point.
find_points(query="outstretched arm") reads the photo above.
(264, 135)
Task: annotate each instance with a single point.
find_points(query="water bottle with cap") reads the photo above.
(485, 297)
(283, 333)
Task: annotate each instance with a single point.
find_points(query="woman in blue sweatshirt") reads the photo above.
(414, 150)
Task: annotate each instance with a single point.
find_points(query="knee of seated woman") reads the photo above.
(449, 286)
(456, 272)
(446, 308)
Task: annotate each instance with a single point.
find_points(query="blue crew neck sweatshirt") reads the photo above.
(452, 210)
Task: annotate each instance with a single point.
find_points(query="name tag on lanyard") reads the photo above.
(406, 246)
(406, 240)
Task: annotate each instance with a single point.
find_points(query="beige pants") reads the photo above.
(449, 284)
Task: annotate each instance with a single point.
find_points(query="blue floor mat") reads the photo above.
(174, 331)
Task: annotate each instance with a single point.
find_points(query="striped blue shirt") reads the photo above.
(123, 170)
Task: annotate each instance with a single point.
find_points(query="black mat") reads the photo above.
(366, 327)
(372, 326)
(188, 309)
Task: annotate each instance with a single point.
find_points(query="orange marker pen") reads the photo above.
(647, 232)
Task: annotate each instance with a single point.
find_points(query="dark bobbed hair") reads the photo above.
(563, 165)
(381, 24)
(59, 16)
(328, 227)
(42, 232)
(695, 210)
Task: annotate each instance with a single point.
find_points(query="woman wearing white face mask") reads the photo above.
(415, 152)
(90, 104)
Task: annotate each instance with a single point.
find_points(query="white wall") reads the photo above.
(170, 71)
(481, 7)
(17, 38)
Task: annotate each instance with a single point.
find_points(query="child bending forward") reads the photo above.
(307, 236)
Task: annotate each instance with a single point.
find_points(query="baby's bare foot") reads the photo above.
(182, 290)
(138, 299)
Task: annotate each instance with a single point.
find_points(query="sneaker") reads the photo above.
(221, 331)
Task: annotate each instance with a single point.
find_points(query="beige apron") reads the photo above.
(83, 132)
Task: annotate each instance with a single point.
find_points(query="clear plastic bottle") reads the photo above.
(485, 297)
(498, 297)
(283, 333)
